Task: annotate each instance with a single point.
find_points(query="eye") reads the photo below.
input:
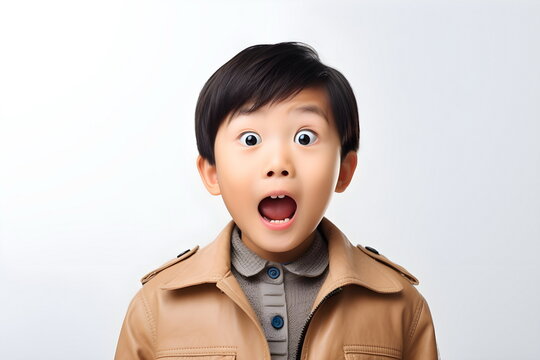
(305, 137)
(250, 139)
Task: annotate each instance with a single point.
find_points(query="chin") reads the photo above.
(282, 247)
(279, 249)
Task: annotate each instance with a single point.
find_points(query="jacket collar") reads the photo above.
(347, 265)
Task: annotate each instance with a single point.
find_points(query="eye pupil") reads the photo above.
(303, 139)
(251, 140)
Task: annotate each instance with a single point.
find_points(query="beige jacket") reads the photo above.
(193, 308)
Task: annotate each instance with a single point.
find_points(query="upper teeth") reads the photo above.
(277, 196)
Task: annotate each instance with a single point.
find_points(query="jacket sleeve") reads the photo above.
(136, 336)
(422, 344)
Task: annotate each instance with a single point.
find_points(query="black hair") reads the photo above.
(270, 73)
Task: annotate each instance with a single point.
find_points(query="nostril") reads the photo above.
(270, 173)
(284, 173)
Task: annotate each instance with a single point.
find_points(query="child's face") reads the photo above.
(290, 148)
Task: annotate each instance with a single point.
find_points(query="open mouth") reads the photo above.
(277, 208)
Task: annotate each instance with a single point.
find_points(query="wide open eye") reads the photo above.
(305, 137)
(250, 138)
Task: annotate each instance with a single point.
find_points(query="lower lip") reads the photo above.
(277, 226)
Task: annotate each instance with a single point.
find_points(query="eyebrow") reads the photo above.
(242, 111)
(311, 109)
(314, 109)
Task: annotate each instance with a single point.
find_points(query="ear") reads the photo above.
(346, 171)
(208, 174)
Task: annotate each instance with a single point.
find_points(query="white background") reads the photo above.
(98, 183)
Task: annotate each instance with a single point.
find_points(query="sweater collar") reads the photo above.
(348, 264)
(310, 264)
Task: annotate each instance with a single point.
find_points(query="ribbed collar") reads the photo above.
(310, 264)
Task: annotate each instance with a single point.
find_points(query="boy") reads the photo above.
(277, 133)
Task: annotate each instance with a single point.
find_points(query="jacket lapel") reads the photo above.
(209, 265)
(348, 265)
(212, 264)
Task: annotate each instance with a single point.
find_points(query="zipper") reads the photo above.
(304, 329)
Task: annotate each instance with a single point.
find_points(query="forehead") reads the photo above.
(312, 100)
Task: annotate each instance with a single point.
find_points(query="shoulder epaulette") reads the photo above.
(170, 263)
(383, 259)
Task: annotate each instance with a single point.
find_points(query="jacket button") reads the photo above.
(277, 322)
(273, 272)
(372, 250)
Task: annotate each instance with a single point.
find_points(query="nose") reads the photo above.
(280, 164)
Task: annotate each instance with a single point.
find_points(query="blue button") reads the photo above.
(277, 322)
(273, 272)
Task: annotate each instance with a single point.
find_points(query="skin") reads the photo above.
(243, 175)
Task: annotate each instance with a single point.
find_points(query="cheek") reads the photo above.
(320, 172)
(228, 170)
(234, 174)
(235, 182)
(320, 178)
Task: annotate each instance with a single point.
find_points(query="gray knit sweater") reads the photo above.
(281, 294)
